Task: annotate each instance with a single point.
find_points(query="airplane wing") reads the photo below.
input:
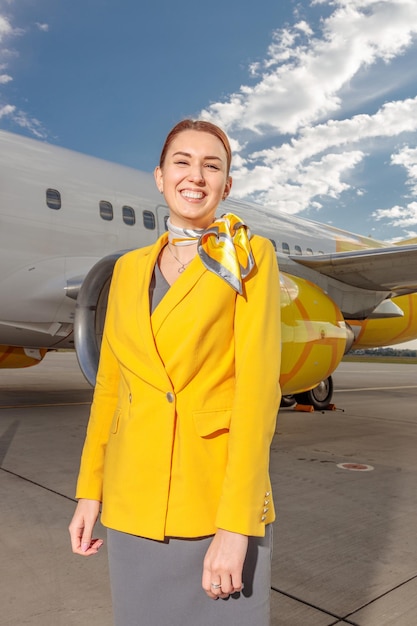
(390, 268)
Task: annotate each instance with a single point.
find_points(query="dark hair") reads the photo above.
(202, 126)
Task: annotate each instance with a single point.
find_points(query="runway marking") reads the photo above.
(313, 606)
(35, 406)
(347, 619)
(356, 467)
(375, 388)
(33, 482)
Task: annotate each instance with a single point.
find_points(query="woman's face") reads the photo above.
(194, 178)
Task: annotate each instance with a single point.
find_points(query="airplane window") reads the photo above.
(273, 243)
(149, 220)
(320, 252)
(309, 251)
(53, 199)
(106, 210)
(129, 216)
(298, 250)
(285, 248)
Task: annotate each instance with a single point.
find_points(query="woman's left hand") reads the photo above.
(223, 564)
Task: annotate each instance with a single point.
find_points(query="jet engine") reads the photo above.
(314, 335)
(372, 333)
(13, 357)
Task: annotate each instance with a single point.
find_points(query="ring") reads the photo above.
(216, 585)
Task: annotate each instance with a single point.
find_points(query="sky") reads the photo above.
(318, 97)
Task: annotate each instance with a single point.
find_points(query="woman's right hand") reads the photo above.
(81, 528)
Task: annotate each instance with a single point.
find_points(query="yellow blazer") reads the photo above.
(186, 400)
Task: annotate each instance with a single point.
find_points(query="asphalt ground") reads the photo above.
(345, 548)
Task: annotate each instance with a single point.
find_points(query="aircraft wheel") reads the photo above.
(287, 401)
(319, 397)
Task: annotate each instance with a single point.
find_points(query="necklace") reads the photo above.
(182, 265)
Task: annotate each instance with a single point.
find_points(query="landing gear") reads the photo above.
(287, 401)
(320, 397)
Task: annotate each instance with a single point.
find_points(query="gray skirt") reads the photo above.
(158, 583)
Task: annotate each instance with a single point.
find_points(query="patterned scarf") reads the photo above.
(224, 249)
(182, 236)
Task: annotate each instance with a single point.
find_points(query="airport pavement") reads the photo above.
(345, 539)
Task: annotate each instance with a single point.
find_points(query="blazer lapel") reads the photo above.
(145, 267)
(176, 293)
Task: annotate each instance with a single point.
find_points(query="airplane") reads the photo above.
(65, 218)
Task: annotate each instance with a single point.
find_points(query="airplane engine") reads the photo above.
(90, 313)
(313, 330)
(372, 333)
(13, 357)
(314, 335)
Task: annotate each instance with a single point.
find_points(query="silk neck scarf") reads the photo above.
(182, 236)
(225, 250)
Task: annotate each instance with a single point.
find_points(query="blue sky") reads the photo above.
(319, 98)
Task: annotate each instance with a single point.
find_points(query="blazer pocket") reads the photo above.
(115, 422)
(210, 422)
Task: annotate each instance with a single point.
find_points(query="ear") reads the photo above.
(159, 179)
(227, 187)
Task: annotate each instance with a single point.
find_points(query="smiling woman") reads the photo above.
(193, 173)
(177, 447)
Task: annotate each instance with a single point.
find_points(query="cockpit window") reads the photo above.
(285, 248)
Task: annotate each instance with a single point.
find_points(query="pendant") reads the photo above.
(181, 269)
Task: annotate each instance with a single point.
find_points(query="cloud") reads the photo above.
(407, 157)
(290, 176)
(303, 72)
(34, 126)
(297, 99)
(5, 28)
(403, 216)
(8, 110)
(43, 27)
(398, 215)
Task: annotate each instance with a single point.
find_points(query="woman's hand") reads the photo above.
(223, 564)
(81, 528)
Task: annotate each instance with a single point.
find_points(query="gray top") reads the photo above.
(158, 288)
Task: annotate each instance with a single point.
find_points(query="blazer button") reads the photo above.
(130, 397)
(263, 518)
(170, 397)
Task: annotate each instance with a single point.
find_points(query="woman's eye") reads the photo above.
(181, 163)
(211, 166)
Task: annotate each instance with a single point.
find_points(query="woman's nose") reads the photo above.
(197, 174)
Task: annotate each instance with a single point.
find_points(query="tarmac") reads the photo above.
(345, 549)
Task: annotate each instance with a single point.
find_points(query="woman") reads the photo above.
(177, 447)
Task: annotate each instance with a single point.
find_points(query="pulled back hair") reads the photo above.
(202, 126)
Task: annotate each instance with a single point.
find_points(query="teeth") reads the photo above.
(195, 195)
